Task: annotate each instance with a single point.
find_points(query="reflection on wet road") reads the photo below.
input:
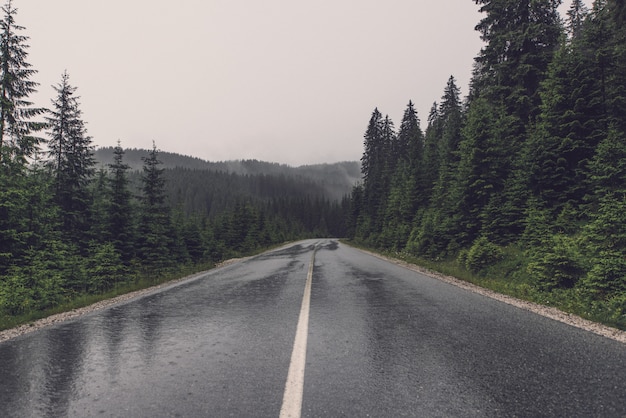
(382, 341)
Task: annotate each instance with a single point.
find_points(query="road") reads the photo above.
(380, 340)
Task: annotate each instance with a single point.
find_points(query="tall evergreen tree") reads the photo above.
(410, 140)
(480, 171)
(373, 167)
(17, 140)
(155, 239)
(411, 143)
(402, 196)
(605, 235)
(121, 221)
(575, 18)
(520, 38)
(16, 112)
(431, 159)
(370, 162)
(451, 120)
(71, 153)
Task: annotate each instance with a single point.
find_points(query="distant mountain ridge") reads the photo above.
(337, 179)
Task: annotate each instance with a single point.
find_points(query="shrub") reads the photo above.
(558, 264)
(482, 254)
(607, 276)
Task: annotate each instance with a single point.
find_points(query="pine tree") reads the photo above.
(480, 173)
(442, 202)
(401, 200)
(431, 160)
(410, 140)
(155, 239)
(451, 120)
(411, 170)
(121, 210)
(520, 38)
(372, 145)
(575, 17)
(373, 167)
(605, 235)
(17, 142)
(72, 161)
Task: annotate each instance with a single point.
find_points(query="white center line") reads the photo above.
(292, 398)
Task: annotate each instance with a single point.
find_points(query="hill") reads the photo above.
(337, 179)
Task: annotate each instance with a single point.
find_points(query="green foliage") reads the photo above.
(104, 268)
(71, 161)
(535, 159)
(557, 264)
(607, 276)
(481, 254)
(17, 128)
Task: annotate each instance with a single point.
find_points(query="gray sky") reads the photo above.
(285, 81)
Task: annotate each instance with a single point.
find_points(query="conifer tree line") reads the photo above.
(529, 169)
(69, 228)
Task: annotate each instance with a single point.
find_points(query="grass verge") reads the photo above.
(82, 300)
(508, 276)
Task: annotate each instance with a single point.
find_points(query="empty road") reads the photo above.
(319, 329)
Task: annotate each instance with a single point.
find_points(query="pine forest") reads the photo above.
(520, 185)
(524, 180)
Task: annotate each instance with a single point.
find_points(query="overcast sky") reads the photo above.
(284, 81)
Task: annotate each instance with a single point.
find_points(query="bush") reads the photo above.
(557, 265)
(482, 254)
(462, 257)
(607, 276)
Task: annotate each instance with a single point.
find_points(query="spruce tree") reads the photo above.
(72, 161)
(411, 168)
(373, 167)
(121, 211)
(431, 160)
(17, 140)
(575, 17)
(442, 202)
(451, 120)
(17, 129)
(520, 38)
(604, 236)
(154, 239)
(480, 173)
(410, 140)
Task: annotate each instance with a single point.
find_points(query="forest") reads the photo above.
(521, 183)
(525, 178)
(79, 223)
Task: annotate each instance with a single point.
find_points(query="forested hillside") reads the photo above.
(525, 179)
(333, 181)
(75, 222)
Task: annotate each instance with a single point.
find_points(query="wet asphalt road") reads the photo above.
(383, 341)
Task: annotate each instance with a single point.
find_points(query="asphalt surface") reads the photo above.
(383, 341)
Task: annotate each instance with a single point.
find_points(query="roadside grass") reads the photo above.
(508, 276)
(81, 300)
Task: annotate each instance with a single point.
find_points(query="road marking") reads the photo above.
(292, 398)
